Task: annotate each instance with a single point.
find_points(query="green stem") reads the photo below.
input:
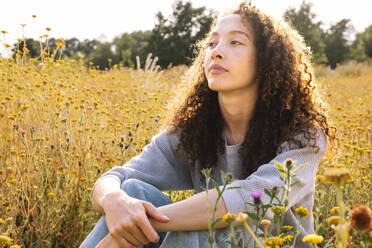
(297, 233)
(235, 243)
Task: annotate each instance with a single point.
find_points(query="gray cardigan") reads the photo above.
(161, 165)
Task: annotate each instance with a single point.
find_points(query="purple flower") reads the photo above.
(256, 198)
(256, 195)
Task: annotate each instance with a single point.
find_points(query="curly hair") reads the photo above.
(287, 101)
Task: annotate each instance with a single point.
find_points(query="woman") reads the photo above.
(250, 101)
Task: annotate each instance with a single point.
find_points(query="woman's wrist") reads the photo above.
(105, 188)
(111, 197)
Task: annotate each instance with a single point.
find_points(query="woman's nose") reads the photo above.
(217, 53)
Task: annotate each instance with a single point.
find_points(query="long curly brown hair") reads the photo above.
(286, 102)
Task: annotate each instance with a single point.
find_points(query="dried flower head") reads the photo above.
(289, 163)
(361, 218)
(265, 222)
(337, 175)
(241, 218)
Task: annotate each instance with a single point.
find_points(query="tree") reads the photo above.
(303, 20)
(367, 41)
(128, 46)
(71, 48)
(101, 55)
(32, 45)
(357, 50)
(173, 40)
(336, 42)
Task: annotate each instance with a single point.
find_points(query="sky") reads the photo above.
(104, 20)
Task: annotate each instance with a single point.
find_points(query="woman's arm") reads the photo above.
(191, 214)
(186, 215)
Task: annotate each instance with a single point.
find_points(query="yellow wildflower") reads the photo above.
(334, 210)
(278, 210)
(228, 217)
(288, 238)
(274, 242)
(333, 220)
(303, 212)
(313, 239)
(51, 195)
(2, 221)
(5, 240)
(287, 228)
(15, 246)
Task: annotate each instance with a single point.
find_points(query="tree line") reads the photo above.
(172, 39)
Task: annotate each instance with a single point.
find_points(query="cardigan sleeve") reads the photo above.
(159, 164)
(268, 176)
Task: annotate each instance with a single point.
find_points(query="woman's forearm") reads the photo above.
(191, 214)
(106, 185)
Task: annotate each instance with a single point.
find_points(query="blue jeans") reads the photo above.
(136, 189)
(185, 239)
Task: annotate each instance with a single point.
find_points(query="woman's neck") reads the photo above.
(237, 110)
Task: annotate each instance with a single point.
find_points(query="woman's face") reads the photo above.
(231, 46)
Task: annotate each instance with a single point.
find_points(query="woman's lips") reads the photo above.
(217, 70)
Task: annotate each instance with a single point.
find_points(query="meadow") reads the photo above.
(62, 124)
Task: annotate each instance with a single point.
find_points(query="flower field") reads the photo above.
(62, 125)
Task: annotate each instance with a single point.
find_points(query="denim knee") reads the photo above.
(144, 191)
(131, 185)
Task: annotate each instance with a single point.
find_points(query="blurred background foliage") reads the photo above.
(172, 39)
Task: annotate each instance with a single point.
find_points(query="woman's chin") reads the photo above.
(216, 85)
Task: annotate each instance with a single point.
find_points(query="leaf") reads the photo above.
(267, 206)
(279, 165)
(217, 187)
(253, 216)
(267, 192)
(216, 221)
(299, 168)
(233, 188)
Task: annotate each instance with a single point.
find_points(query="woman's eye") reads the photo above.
(210, 43)
(235, 42)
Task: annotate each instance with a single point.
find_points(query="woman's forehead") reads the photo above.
(231, 21)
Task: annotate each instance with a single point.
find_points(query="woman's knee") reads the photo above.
(131, 184)
(138, 189)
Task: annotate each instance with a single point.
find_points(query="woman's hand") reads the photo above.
(110, 242)
(127, 219)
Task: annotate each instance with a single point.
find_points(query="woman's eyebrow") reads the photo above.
(232, 32)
